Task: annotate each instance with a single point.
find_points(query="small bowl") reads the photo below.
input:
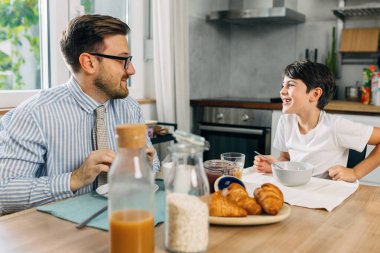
(292, 173)
(225, 181)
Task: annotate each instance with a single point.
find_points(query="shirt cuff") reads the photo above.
(60, 186)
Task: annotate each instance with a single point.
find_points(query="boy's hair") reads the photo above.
(313, 75)
(86, 33)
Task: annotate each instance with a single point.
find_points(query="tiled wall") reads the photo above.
(247, 61)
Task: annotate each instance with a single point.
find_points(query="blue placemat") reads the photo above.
(77, 209)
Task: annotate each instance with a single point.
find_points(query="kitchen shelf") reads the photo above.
(360, 58)
(161, 139)
(164, 138)
(370, 9)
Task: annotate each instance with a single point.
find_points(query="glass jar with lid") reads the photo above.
(217, 168)
(187, 196)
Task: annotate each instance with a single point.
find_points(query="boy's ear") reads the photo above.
(88, 63)
(315, 93)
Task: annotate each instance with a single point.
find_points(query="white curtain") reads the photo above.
(171, 61)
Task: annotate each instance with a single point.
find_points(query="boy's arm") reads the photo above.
(371, 162)
(284, 156)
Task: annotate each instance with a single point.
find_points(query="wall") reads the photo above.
(209, 50)
(247, 61)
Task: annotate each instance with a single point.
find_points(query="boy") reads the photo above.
(307, 133)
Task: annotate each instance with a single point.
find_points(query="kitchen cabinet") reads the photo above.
(360, 48)
(372, 178)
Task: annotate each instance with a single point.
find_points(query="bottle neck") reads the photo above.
(132, 161)
(130, 151)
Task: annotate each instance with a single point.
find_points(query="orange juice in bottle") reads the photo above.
(132, 231)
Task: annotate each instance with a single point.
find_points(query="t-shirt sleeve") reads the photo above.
(352, 135)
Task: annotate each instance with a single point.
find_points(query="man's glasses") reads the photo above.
(127, 60)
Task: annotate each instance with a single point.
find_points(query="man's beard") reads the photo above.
(119, 92)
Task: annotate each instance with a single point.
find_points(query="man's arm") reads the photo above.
(23, 180)
(156, 161)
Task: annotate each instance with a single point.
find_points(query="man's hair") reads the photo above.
(86, 33)
(313, 75)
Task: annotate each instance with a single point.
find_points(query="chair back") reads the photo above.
(355, 157)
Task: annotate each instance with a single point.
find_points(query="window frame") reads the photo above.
(54, 16)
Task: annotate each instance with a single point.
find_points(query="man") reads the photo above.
(47, 149)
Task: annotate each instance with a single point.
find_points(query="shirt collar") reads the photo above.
(85, 101)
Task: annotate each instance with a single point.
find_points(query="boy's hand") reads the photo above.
(342, 173)
(262, 163)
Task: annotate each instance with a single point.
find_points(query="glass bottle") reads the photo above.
(187, 196)
(131, 193)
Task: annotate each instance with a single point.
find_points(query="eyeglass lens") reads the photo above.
(127, 62)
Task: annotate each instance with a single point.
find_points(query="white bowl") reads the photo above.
(292, 173)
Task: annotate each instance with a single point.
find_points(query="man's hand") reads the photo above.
(98, 161)
(340, 173)
(149, 154)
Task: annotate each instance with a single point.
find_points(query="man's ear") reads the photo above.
(315, 94)
(88, 63)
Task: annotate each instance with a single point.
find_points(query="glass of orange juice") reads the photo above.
(237, 159)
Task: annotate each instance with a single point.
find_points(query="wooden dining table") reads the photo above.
(354, 226)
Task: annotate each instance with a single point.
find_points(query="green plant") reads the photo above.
(17, 19)
(88, 6)
(331, 60)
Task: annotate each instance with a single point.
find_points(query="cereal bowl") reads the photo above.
(292, 173)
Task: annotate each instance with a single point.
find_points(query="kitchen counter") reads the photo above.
(335, 106)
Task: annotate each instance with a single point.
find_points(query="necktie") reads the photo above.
(100, 137)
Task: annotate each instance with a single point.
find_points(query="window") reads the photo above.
(30, 30)
(19, 45)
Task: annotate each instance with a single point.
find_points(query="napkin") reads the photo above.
(317, 193)
(77, 209)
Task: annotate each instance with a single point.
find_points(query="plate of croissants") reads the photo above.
(233, 206)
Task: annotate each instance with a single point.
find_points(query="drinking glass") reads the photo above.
(237, 159)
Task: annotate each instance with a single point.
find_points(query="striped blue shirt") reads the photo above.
(47, 137)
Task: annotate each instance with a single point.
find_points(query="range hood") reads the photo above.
(278, 14)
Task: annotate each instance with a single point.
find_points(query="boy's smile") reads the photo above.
(294, 95)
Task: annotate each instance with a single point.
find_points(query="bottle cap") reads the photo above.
(185, 137)
(131, 135)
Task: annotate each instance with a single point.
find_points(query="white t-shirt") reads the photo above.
(324, 146)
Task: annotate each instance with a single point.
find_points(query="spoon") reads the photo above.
(275, 164)
(86, 221)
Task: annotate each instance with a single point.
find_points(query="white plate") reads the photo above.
(151, 122)
(252, 219)
(103, 189)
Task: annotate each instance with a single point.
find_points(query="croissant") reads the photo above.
(237, 194)
(270, 198)
(222, 207)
